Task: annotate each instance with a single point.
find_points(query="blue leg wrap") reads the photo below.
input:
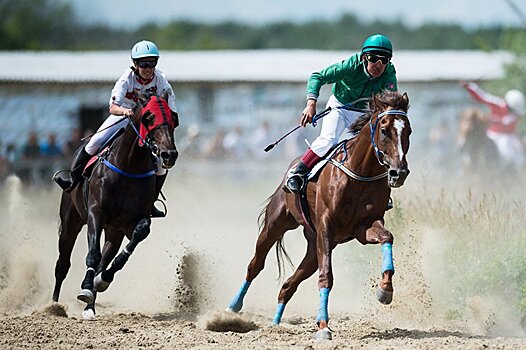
(323, 313)
(237, 302)
(387, 257)
(279, 313)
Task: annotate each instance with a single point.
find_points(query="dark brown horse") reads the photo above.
(479, 153)
(347, 201)
(117, 198)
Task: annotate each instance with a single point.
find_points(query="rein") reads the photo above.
(377, 151)
(125, 173)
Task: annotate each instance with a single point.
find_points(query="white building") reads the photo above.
(57, 91)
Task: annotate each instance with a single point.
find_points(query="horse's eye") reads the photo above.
(148, 119)
(384, 132)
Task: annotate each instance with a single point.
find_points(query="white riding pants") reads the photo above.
(333, 125)
(102, 135)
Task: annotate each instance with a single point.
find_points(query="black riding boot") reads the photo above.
(67, 180)
(296, 178)
(159, 182)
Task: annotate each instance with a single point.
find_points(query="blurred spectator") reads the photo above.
(4, 163)
(213, 148)
(261, 139)
(11, 153)
(50, 149)
(30, 150)
(73, 143)
(235, 144)
(27, 167)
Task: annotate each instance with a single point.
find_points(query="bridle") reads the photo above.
(378, 153)
(145, 141)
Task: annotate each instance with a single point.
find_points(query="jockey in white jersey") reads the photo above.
(142, 78)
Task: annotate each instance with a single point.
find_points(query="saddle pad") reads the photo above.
(92, 161)
(317, 168)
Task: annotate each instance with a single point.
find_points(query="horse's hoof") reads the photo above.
(323, 334)
(99, 284)
(235, 306)
(86, 296)
(384, 296)
(88, 315)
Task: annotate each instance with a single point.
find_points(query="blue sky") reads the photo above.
(132, 13)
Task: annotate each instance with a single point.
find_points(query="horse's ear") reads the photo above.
(375, 103)
(406, 98)
(143, 99)
(165, 94)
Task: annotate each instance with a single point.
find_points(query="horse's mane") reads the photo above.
(384, 99)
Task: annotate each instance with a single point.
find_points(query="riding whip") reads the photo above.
(315, 118)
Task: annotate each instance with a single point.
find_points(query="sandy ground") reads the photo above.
(172, 291)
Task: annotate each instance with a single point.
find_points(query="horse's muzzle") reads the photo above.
(396, 177)
(168, 158)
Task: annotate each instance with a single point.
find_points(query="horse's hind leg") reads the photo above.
(93, 257)
(140, 232)
(70, 226)
(277, 221)
(306, 268)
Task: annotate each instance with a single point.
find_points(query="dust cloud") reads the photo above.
(195, 260)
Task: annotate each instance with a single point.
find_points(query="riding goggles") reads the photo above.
(375, 58)
(147, 64)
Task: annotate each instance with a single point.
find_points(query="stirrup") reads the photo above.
(288, 189)
(156, 213)
(64, 183)
(389, 205)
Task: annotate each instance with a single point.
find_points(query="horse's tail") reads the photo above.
(261, 216)
(280, 248)
(280, 253)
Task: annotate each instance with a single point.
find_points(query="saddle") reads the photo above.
(301, 199)
(104, 150)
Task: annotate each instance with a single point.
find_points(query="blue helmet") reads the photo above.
(144, 49)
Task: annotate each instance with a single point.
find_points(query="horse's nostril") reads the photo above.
(169, 156)
(393, 173)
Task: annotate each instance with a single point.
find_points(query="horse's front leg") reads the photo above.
(93, 258)
(140, 232)
(378, 234)
(325, 245)
(89, 313)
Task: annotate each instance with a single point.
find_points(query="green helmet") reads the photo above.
(378, 43)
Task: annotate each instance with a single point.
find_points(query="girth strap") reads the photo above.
(355, 176)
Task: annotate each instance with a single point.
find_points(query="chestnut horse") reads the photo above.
(117, 198)
(347, 201)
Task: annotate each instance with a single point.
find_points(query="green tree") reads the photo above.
(35, 25)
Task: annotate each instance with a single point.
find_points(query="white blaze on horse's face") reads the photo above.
(398, 170)
(399, 126)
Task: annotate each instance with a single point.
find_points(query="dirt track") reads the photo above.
(126, 331)
(172, 290)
